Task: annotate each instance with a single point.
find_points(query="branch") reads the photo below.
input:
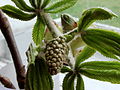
(6, 82)
(8, 34)
(50, 24)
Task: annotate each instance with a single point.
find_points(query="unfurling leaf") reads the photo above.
(68, 23)
(65, 69)
(104, 41)
(37, 77)
(16, 13)
(31, 54)
(68, 82)
(21, 4)
(85, 54)
(60, 5)
(38, 31)
(102, 70)
(93, 14)
(80, 83)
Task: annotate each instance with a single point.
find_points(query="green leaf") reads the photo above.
(65, 81)
(16, 13)
(104, 41)
(39, 3)
(21, 4)
(46, 78)
(86, 53)
(101, 65)
(91, 15)
(65, 69)
(60, 5)
(71, 82)
(38, 31)
(45, 3)
(38, 77)
(33, 3)
(80, 83)
(112, 76)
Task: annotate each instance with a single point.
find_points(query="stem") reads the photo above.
(8, 34)
(6, 82)
(71, 34)
(50, 24)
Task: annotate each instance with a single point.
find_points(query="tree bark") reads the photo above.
(8, 34)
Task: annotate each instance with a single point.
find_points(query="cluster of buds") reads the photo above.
(56, 53)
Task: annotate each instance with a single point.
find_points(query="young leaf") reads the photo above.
(45, 3)
(45, 76)
(38, 77)
(16, 13)
(106, 42)
(31, 54)
(101, 65)
(85, 54)
(80, 83)
(65, 81)
(68, 23)
(65, 69)
(112, 76)
(22, 5)
(38, 31)
(60, 6)
(93, 14)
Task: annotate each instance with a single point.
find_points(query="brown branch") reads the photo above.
(6, 82)
(8, 34)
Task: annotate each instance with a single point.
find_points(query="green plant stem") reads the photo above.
(50, 24)
(8, 34)
(6, 82)
(71, 34)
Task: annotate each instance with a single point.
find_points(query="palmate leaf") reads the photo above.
(38, 31)
(45, 3)
(68, 82)
(21, 4)
(80, 83)
(93, 14)
(85, 54)
(39, 3)
(60, 5)
(106, 42)
(112, 76)
(33, 3)
(16, 13)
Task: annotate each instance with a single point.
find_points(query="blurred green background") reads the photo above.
(81, 5)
